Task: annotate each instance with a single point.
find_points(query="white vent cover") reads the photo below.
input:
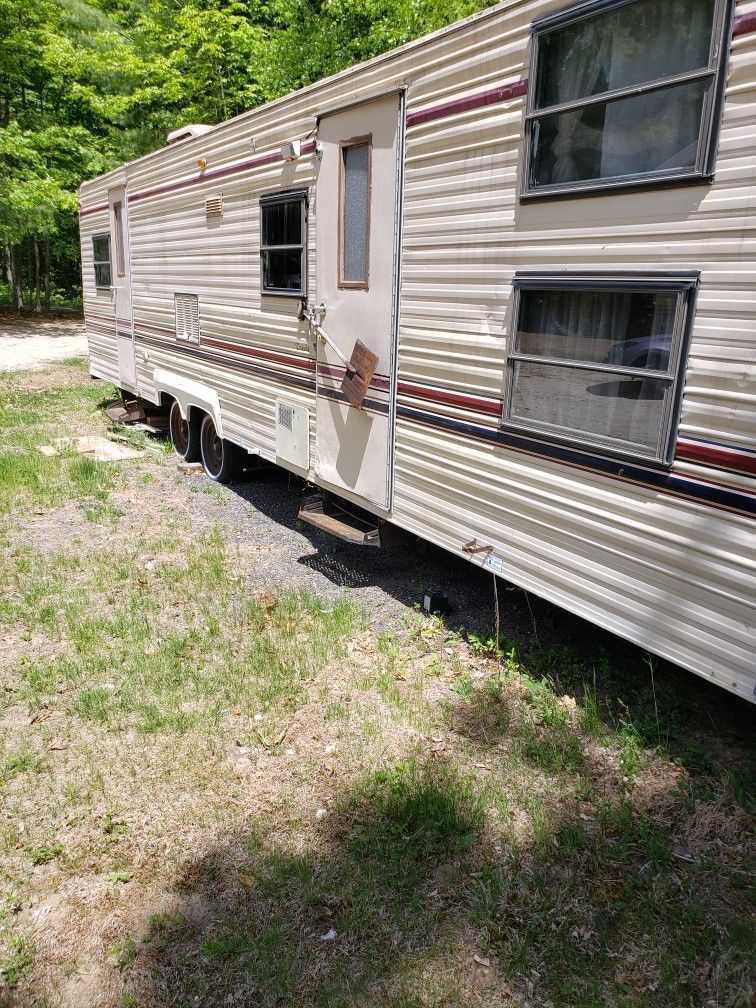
(214, 206)
(187, 317)
(293, 434)
(187, 132)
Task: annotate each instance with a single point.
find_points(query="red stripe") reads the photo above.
(721, 458)
(338, 372)
(216, 173)
(155, 328)
(302, 362)
(104, 318)
(744, 24)
(480, 100)
(492, 406)
(94, 209)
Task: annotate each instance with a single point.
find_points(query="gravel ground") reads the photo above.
(32, 343)
(259, 516)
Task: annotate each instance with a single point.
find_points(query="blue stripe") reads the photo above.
(708, 493)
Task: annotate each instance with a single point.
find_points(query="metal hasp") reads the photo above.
(330, 515)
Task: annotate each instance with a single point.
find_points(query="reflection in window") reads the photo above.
(625, 93)
(597, 364)
(283, 243)
(101, 251)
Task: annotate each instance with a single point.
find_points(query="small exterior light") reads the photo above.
(201, 163)
(291, 150)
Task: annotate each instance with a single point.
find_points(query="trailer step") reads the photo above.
(330, 515)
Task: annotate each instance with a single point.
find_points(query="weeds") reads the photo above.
(214, 786)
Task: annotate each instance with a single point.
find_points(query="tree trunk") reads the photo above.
(15, 265)
(46, 287)
(37, 292)
(7, 265)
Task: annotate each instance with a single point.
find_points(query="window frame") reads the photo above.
(103, 262)
(344, 146)
(285, 196)
(683, 283)
(711, 111)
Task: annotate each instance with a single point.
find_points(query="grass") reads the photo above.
(213, 795)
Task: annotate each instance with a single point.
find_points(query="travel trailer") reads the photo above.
(496, 287)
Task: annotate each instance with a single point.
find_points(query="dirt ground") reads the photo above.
(32, 343)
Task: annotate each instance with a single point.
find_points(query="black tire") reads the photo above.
(218, 455)
(185, 436)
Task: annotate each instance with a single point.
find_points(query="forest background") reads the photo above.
(85, 86)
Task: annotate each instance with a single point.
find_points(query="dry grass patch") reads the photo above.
(213, 796)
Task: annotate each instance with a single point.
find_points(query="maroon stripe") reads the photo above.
(155, 328)
(492, 406)
(744, 24)
(480, 100)
(216, 173)
(332, 371)
(301, 362)
(103, 318)
(93, 209)
(721, 458)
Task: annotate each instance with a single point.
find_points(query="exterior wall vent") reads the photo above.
(187, 317)
(214, 206)
(285, 415)
(293, 434)
(187, 132)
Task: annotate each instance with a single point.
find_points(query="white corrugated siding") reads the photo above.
(674, 575)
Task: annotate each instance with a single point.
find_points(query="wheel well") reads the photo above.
(194, 414)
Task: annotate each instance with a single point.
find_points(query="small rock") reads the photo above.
(321, 813)
(482, 960)
(330, 935)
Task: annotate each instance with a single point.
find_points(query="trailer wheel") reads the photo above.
(218, 455)
(185, 436)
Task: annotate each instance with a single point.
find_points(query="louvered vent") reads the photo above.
(187, 317)
(214, 206)
(285, 415)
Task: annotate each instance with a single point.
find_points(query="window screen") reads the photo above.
(355, 213)
(625, 94)
(283, 219)
(599, 364)
(101, 251)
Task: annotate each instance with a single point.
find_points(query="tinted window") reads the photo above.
(625, 124)
(282, 248)
(598, 365)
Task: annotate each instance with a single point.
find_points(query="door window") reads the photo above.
(354, 213)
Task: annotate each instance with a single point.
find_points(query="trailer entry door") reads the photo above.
(121, 285)
(357, 215)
